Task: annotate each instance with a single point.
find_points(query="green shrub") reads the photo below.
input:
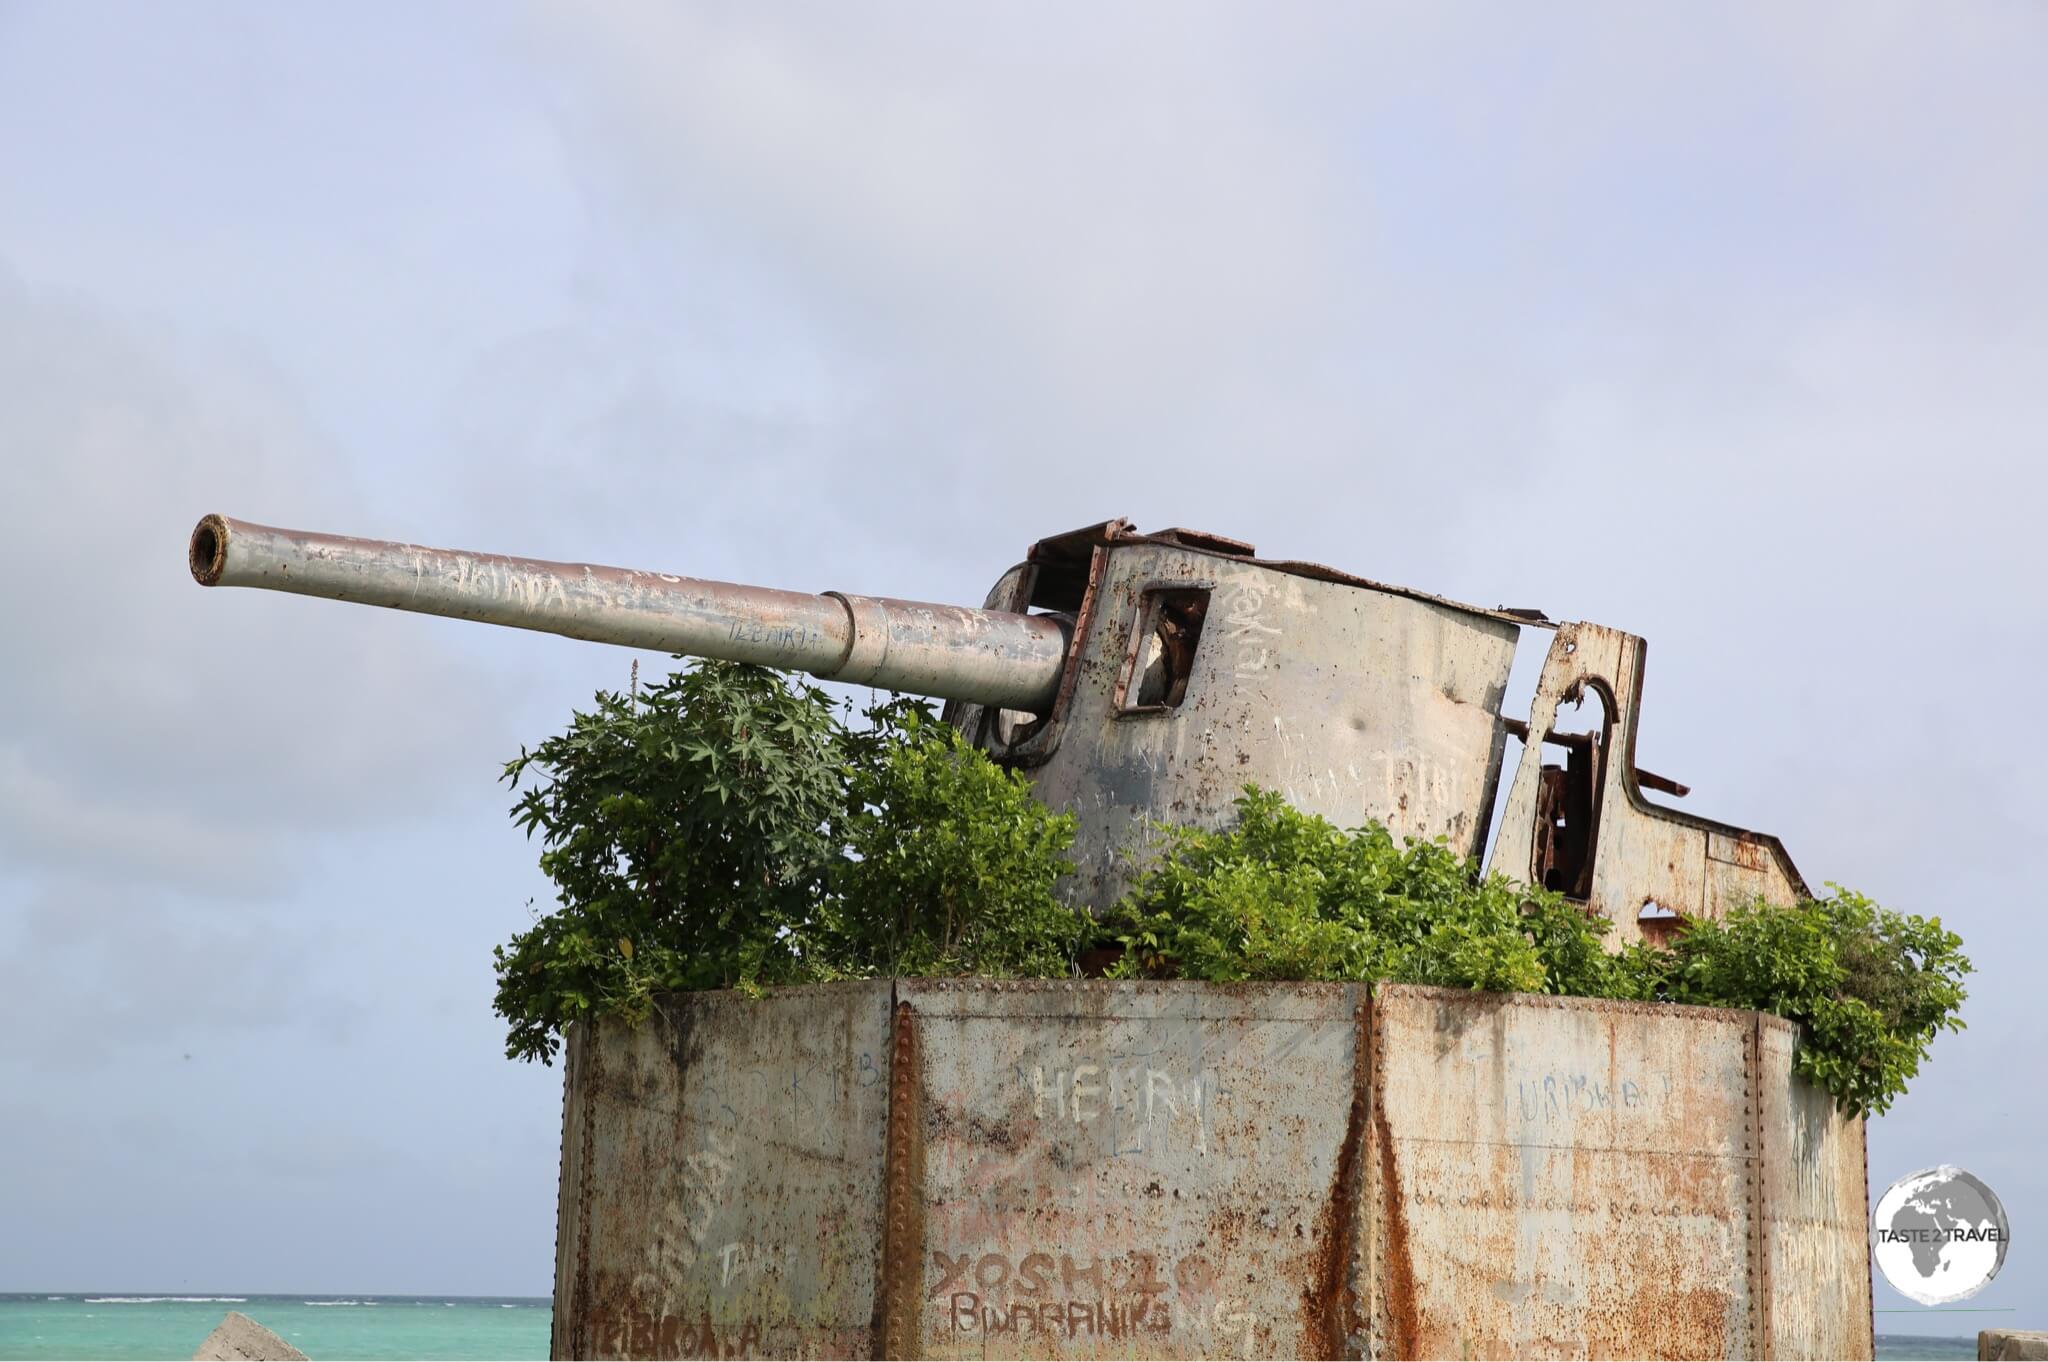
(1282, 894)
(950, 862)
(724, 829)
(1869, 987)
(686, 827)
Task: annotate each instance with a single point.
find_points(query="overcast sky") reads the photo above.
(1727, 326)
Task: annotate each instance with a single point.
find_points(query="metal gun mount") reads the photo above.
(1143, 678)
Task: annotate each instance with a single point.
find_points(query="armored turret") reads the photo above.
(1147, 678)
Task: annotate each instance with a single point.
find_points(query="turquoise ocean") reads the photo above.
(333, 1327)
(141, 1324)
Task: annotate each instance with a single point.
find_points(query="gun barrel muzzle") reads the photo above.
(991, 657)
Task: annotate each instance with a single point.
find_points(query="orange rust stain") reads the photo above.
(1328, 1309)
(1659, 1321)
(1403, 1313)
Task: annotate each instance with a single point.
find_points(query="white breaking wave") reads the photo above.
(337, 1302)
(157, 1300)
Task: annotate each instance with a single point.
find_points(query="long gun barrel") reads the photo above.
(989, 657)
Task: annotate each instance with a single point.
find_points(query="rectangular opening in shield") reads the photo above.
(1164, 640)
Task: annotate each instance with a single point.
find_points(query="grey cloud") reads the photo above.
(121, 971)
(917, 173)
(155, 722)
(47, 823)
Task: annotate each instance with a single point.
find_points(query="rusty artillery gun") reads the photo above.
(1141, 678)
(967, 1167)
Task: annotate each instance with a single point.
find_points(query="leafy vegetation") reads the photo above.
(687, 830)
(1289, 896)
(1286, 895)
(1870, 988)
(726, 829)
(950, 862)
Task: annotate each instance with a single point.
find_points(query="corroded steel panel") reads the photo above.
(1816, 1209)
(1150, 1170)
(1353, 704)
(728, 1178)
(1559, 1178)
(1092, 1168)
(578, 1112)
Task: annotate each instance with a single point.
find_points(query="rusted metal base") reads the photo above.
(948, 1168)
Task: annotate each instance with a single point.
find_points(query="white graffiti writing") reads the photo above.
(1088, 1091)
